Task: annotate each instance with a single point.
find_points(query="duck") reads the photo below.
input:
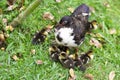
(70, 31)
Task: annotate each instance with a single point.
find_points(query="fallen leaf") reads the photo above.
(95, 42)
(33, 51)
(72, 74)
(48, 15)
(89, 76)
(38, 62)
(112, 31)
(71, 71)
(9, 28)
(14, 57)
(58, 1)
(71, 9)
(2, 37)
(111, 75)
(2, 40)
(2, 48)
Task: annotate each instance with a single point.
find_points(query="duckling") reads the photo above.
(92, 25)
(86, 57)
(41, 35)
(78, 62)
(64, 49)
(65, 60)
(54, 52)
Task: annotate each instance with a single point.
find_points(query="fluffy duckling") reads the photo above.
(41, 35)
(86, 57)
(78, 62)
(54, 52)
(65, 60)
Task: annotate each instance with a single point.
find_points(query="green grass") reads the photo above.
(106, 59)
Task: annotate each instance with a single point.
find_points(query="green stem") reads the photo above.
(24, 14)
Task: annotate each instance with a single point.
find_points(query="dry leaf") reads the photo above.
(9, 28)
(89, 76)
(111, 75)
(2, 48)
(71, 9)
(71, 71)
(58, 1)
(33, 51)
(14, 57)
(39, 62)
(95, 42)
(2, 37)
(112, 31)
(92, 9)
(48, 15)
(72, 74)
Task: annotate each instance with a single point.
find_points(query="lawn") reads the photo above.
(106, 58)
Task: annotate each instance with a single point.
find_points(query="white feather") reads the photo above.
(85, 14)
(65, 34)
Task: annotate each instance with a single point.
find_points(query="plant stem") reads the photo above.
(24, 14)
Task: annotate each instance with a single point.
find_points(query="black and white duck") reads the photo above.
(71, 29)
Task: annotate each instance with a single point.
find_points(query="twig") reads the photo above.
(24, 14)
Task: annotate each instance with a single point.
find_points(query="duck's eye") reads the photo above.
(65, 22)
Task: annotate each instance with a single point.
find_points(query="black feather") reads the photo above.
(78, 12)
